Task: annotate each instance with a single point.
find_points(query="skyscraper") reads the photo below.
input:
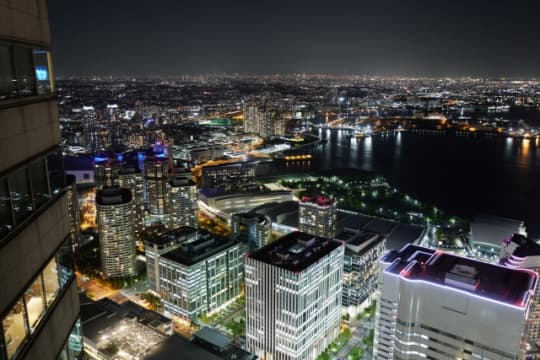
(361, 268)
(437, 305)
(154, 247)
(105, 171)
(521, 252)
(293, 297)
(116, 232)
(201, 275)
(131, 178)
(317, 216)
(39, 306)
(156, 172)
(182, 202)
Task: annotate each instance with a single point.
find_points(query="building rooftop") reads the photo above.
(181, 181)
(113, 196)
(176, 347)
(128, 170)
(485, 280)
(296, 251)
(206, 245)
(318, 200)
(252, 217)
(524, 246)
(179, 234)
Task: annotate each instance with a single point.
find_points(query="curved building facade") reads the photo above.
(39, 305)
(116, 232)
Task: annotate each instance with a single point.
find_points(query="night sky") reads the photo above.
(383, 37)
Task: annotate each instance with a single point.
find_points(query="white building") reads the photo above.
(293, 297)
(435, 305)
(520, 252)
(200, 276)
(157, 246)
(317, 216)
(116, 232)
(183, 202)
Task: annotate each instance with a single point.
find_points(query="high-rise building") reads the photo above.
(317, 216)
(129, 177)
(105, 171)
(116, 232)
(159, 245)
(156, 172)
(360, 267)
(293, 297)
(229, 177)
(89, 129)
(39, 306)
(251, 118)
(182, 207)
(521, 252)
(252, 229)
(438, 305)
(73, 210)
(201, 275)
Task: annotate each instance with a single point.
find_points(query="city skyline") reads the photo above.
(386, 38)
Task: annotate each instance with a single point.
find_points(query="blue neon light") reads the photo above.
(42, 73)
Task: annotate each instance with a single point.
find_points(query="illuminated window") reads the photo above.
(15, 329)
(35, 302)
(51, 281)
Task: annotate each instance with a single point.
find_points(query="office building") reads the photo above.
(229, 177)
(105, 171)
(317, 216)
(183, 200)
(360, 267)
(130, 178)
(73, 210)
(116, 231)
(438, 305)
(89, 129)
(521, 252)
(154, 247)
(293, 297)
(251, 118)
(156, 173)
(200, 276)
(39, 307)
(252, 229)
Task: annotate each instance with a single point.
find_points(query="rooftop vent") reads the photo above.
(463, 277)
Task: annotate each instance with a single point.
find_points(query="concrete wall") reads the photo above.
(26, 131)
(25, 20)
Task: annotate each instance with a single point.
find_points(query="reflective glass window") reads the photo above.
(40, 183)
(6, 219)
(24, 70)
(34, 298)
(15, 329)
(8, 87)
(55, 166)
(51, 281)
(75, 341)
(21, 198)
(42, 71)
(65, 262)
